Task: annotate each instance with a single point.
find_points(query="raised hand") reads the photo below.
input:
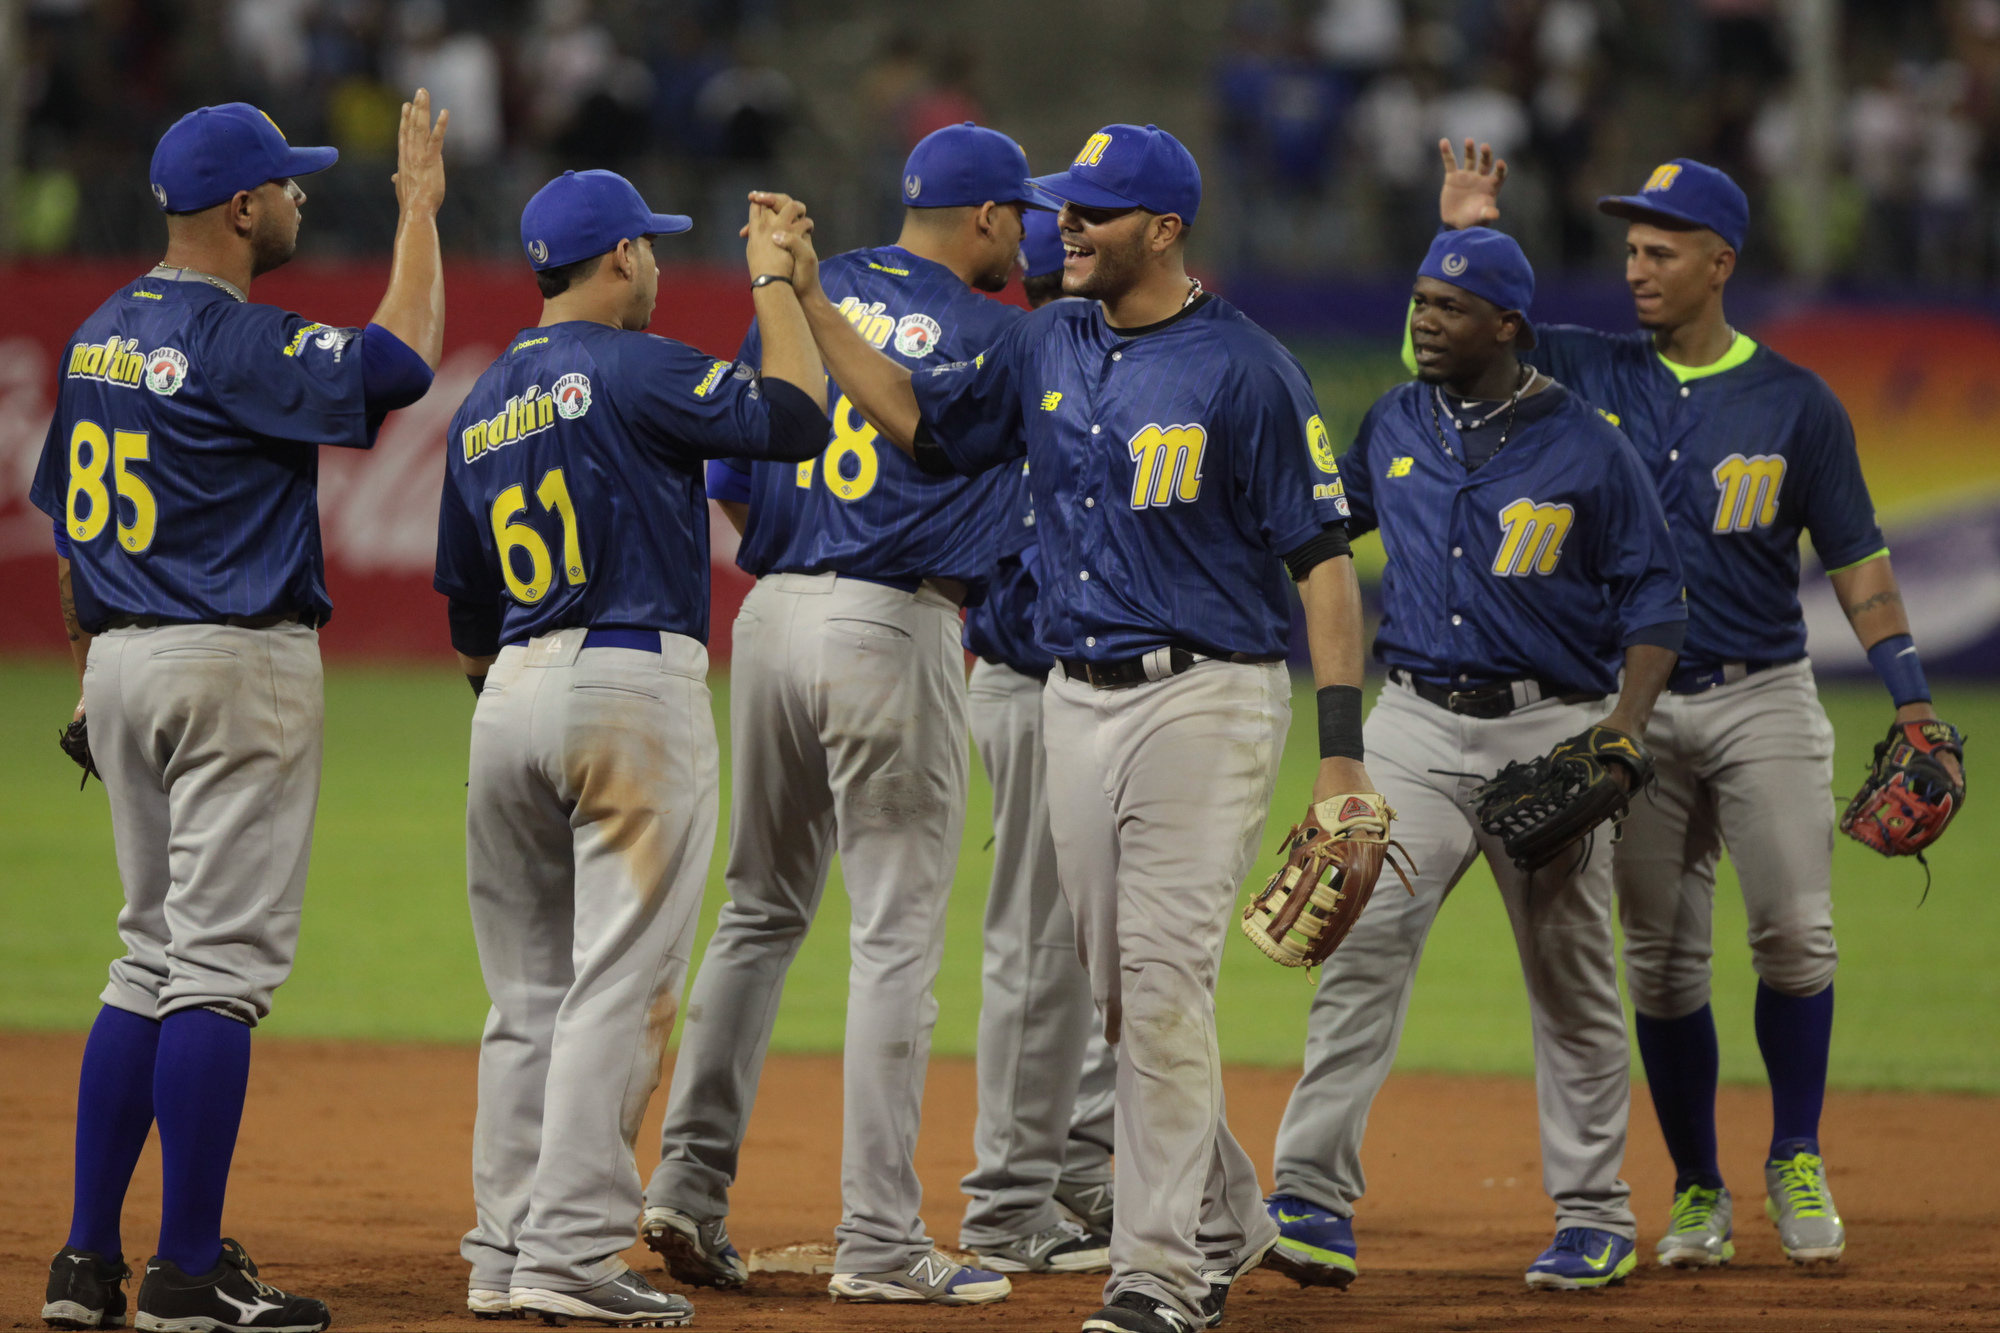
(1471, 193)
(419, 174)
(789, 230)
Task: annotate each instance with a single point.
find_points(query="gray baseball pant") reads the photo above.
(1038, 1125)
(208, 740)
(1748, 765)
(847, 732)
(1157, 799)
(590, 821)
(1418, 755)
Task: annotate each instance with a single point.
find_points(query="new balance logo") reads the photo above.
(931, 1270)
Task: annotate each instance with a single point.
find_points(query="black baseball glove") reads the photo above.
(75, 742)
(1540, 808)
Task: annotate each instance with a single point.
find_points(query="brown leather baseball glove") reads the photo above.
(1304, 913)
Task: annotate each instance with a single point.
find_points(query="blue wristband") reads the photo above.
(1895, 661)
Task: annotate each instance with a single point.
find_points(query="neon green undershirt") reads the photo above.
(1740, 350)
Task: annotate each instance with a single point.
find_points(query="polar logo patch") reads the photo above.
(917, 335)
(572, 395)
(166, 371)
(1453, 265)
(538, 251)
(913, 185)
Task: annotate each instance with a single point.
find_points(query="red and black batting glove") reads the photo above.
(75, 742)
(1909, 796)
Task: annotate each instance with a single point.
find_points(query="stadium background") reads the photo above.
(1868, 134)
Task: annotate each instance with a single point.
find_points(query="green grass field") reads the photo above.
(387, 947)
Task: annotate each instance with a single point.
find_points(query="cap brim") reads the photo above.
(666, 224)
(305, 161)
(1637, 208)
(1066, 187)
(1034, 196)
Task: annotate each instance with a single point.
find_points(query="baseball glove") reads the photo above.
(1541, 808)
(1909, 796)
(75, 742)
(1302, 915)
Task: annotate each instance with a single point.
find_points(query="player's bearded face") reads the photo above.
(274, 237)
(1104, 251)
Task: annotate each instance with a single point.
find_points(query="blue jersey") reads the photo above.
(1171, 468)
(1745, 459)
(181, 462)
(573, 480)
(863, 508)
(1002, 627)
(1541, 565)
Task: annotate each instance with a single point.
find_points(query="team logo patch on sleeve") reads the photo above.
(572, 394)
(708, 382)
(917, 335)
(166, 371)
(1321, 445)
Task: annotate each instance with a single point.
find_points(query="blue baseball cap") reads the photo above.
(1490, 265)
(1124, 166)
(583, 214)
(963, 166)
(213, 151)
(1689, 192)
(1041, 245)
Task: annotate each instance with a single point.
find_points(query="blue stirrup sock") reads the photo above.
(1795, 1032)
(1682, 1061)
(114, 1114)
(198, 1085)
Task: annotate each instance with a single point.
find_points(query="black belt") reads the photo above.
(1490, 699)
(1158, 664)
(1701, 679)
(306, 618)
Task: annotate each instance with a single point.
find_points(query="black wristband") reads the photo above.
(767, 279)
(1340, 722)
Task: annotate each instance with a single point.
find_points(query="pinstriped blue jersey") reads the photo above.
(1002, 627)
(1745, 460)
(1542, 564)
(862, 507)
(574, 491)
(182, 461)
(1171, 467)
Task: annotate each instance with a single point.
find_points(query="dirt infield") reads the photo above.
(351, 1184)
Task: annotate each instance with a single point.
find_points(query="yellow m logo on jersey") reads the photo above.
(1169, 464)
(1749, 489)
(1531, 537)
(1093, 150)
(1663, 178)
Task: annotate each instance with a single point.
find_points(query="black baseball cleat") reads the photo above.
(1134, 1312)
(228, 1298)
(86, 1290)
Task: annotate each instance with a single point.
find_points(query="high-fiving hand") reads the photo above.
(1471, 193)
(419, 174)
(787, 230)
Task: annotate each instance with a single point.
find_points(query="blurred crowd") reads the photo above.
(1324, 114)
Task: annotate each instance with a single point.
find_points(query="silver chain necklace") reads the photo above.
(1528, 376)
(181, 273)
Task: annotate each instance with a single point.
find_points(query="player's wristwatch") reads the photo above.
(766, 279)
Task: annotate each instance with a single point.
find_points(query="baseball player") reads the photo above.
(1748, 451)
(1180, 473)
(574, 530)
(848, 733)
(1043, 1139)
(180, 469)
(1528, 557)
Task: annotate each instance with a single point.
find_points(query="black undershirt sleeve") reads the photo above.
(1329, 543)
(931, 458)
(1668, 634)
(798, 426)
(475, 627)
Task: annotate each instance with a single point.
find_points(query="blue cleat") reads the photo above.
(1315, 1247)
(1583, 1257)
